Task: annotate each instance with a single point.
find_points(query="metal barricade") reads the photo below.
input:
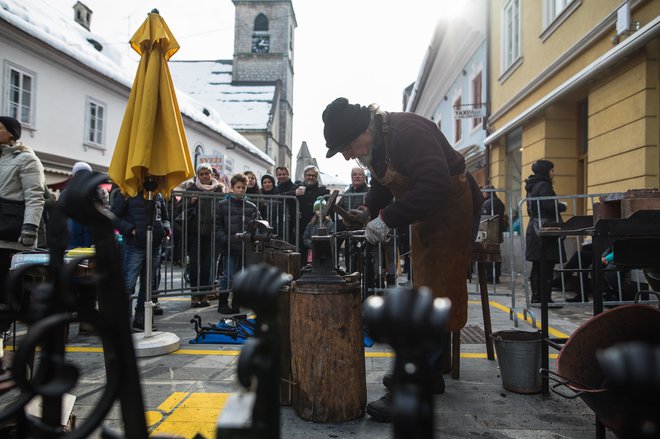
(574, 271)
(191, 262)
(507, 244)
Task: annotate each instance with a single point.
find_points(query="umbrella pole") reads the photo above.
(148, 343)
(149, 186)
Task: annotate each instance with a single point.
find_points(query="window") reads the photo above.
(476, 98)
(19, 86)
(552, 9)
(261, 23)
(458, 131)
(95, 123)
(510, 34)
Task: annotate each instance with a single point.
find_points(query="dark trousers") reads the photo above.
(203, 261)
(535, 280)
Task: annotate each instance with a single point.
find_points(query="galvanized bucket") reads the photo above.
(519, 358)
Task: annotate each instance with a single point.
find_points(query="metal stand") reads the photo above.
(148, 343)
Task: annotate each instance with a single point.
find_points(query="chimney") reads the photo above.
(82, 14)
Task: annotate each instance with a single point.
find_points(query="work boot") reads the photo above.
(157, 310)
(381, 409)
(437, 386)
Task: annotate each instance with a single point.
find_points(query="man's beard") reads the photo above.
(365, 161)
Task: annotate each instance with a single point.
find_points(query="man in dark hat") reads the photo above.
(410, 159)
(540, 213)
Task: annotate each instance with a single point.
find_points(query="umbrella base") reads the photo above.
(159, 343)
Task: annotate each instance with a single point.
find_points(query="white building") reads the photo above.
(69, 90)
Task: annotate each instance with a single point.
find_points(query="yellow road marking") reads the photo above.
(187, 414)
(551, 330)
(172, 401)
(153, 417)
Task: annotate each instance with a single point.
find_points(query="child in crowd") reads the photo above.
(313, 226)
(232, 214)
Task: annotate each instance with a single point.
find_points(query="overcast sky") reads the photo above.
(365, 50)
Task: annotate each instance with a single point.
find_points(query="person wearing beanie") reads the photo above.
(412, 163)
(270, 208)
(540, 213)
(80, 166)
(22, 188)
(543, 167)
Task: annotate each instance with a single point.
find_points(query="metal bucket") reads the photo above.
(519, 358)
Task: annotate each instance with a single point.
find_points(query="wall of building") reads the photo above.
(60, 106)
(623, 126)
(622, 130)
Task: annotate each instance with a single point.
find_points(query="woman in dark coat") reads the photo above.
(542, 212)
(270, 208)
(203, 250)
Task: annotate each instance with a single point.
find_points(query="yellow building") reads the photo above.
(567, 86)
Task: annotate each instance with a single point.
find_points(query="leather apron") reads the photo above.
(441, 242)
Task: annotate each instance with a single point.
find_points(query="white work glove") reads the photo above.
(377, 231)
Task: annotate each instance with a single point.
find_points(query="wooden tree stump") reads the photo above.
(327, 352)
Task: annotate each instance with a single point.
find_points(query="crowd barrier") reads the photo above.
(390, 262)
(572, 274)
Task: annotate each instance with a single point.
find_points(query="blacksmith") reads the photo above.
(411, 161)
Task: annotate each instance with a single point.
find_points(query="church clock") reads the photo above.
(260, 44)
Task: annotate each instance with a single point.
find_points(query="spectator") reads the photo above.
(313, 227)
(352, 198)
(288, 219)
(132, 222)
(22, 186)
(540, 214)
(358, 185)
(252, 186)
(270, 208)
(49, 203)
(203, 250)
(79, 234)
(493, 206)
(307, 194)
(233, 214)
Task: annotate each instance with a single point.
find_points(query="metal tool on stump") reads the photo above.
(412, 322)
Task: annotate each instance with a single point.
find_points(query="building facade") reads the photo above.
(69, 90)
(451, 87)
(575, 82)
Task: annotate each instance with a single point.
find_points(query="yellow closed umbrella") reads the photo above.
(151, 153)
(152, 142)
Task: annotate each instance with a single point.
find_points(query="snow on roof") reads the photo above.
(242, 106)
(42, 20)
(332, 180)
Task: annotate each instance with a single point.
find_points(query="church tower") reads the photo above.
(263, 52)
